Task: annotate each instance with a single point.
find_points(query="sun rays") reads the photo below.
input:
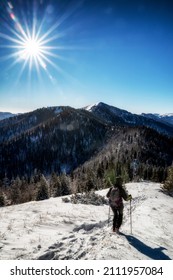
(32, 45)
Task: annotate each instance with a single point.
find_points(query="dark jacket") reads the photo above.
(123, 193)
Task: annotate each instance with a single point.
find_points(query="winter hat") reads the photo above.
(118, 181)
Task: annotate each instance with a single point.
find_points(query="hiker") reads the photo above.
(116, 194)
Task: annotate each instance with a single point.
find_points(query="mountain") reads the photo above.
(49, 139)
(19, 124)
(82, 150)
(166, 118)
(6, 115)
(55, 230)
(115, 116)
(62, 139)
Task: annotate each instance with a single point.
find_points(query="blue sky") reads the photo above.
(118, 52)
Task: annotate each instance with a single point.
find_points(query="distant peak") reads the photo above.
(89, 107)
(98, 104)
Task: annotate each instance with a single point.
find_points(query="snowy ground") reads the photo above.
(52, 229)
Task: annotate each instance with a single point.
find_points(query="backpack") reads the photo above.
(115, 198)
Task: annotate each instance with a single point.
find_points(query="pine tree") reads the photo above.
(110, 177)
(100, 171)
(43, 189)
(15, 192)
(6, 182)
(125, 175)
(53, 181)
(65, 185)
(91, 180)
(168, 185)
(2, 200)
(55, 186)
(89, 184)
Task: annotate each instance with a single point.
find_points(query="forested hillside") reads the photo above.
(62, 150)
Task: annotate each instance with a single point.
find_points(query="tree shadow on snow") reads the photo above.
(155, 254)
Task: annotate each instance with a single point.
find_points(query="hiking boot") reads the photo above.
(116, 230)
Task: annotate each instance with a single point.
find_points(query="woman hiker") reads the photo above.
(116, 194)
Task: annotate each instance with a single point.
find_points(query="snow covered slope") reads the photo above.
(53, 229)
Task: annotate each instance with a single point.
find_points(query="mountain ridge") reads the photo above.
(113, 115)
(6, 115)
(166, 118)
(62, 138)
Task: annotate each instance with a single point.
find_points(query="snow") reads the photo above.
(53, 229)
(58, 110)
(90, 107)
(165, 115)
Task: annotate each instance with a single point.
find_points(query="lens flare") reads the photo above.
(32, 44)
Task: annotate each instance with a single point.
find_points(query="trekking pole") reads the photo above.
(108, 215)
(130, 217)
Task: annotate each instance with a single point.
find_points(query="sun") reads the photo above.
(31, 44)
(34, 44)
(31, 48)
